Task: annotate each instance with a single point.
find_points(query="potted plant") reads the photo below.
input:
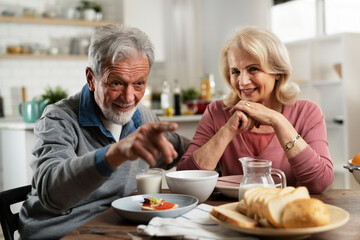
(54, 94)
(189, 97)
(98, 9)
(87, 9)
(189, 94)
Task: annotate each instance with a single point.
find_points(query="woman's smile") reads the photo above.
(248, 92)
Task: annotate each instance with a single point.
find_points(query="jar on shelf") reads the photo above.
(207, 87)
(165, 99)
(89, 14)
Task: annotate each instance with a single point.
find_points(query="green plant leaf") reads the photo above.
(189, 94)
(54, 94)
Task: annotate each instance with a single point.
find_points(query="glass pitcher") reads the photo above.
(257, 172)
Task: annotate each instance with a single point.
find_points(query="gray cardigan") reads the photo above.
(68, 190)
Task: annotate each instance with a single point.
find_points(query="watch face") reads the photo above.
(289, 145)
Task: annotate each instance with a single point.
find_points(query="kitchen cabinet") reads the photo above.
(326, 69)
(16, 142)
(187, 124)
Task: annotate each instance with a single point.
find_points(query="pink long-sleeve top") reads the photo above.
(312, 167)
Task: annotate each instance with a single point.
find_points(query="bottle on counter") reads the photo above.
(165, 99)
(1, 106)
(212, 86)
(146, 100)
(207, 87)
(177, 98)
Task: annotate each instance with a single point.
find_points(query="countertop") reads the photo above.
(17, 123)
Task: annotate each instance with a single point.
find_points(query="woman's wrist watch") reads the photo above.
(290, 144)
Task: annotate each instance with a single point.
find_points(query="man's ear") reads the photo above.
(90, 79)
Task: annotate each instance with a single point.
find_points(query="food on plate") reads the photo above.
(356, 159)
(229, 215)
(265, 205)
(302, 213)
(156, 204)
(274, 207)
(241, 207)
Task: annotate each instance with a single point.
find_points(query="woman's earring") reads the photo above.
(277, 77)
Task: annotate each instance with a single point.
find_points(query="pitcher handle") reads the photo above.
(21, 109)
(281, 175)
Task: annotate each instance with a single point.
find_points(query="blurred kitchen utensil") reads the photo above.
(1, 106)
(354, 169)
(198, 105)
(338, 70)
(23, 94)
(32, 110)
(13, 49)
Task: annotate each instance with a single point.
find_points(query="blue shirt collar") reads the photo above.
(88, 116)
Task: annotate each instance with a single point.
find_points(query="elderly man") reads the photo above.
(89, 147)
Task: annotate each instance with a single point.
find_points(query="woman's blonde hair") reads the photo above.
(273, 57)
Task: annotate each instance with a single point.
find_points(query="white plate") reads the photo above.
(229, 185)
(130, 207)
(338, 217)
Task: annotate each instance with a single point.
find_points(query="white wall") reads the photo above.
(152, 21)
(220, 19)
(193, 32)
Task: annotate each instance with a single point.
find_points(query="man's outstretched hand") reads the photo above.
(147, 142)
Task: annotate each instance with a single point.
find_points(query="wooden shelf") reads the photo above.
(55, 21)
(43, 56)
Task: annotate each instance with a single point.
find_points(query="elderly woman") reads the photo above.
(261, 117)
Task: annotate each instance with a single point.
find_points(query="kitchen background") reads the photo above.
(52, 37)
(43, 43)
(177, 27)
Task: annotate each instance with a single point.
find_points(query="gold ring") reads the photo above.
(247, 104)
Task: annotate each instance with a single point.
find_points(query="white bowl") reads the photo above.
(354, 169)
(197, 183)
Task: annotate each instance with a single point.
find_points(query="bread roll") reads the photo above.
(275, 207)
(303, 213)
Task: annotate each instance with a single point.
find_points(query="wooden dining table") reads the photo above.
(346, 199)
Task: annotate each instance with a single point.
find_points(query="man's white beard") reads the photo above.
(120, 118)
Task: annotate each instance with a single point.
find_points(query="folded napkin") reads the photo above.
(195, 224)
